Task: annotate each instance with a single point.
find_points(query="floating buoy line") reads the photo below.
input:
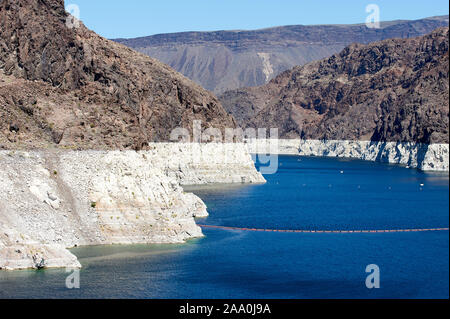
(327, 231)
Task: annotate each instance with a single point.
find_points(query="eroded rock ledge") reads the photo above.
(434, 157)
(53, 200)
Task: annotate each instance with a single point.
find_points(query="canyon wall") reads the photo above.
(62, 85)
(395, 90)
(227, 60)
(52, 200)
(199, 164)
(427, 157)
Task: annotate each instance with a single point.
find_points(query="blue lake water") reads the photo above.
(306, 193)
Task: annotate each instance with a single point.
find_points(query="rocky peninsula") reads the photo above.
(54, 200)
(82, 117)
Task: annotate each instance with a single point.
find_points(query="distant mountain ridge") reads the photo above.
(395, 90)
(224, 60)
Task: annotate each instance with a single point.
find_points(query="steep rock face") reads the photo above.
(434, 157)
(393, 90)
(226, 60)
(51, 200)
(212, 163)
(85, 81)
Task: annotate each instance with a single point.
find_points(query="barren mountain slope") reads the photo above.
(67, 86)
(225, 60)
(393, 90)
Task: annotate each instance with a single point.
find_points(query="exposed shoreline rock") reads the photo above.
(433, 157)
(53, 200)
(212, 163)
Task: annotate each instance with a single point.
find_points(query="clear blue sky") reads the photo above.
(133, 18)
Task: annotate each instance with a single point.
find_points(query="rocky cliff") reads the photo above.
(50, 201)
(199, 164)
(225, 60)
(61, 84)
(62, 87)
(87, 198)
(395, 90)
(434, 157)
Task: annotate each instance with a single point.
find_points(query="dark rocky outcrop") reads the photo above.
(70, 86)
(226, 60)
(393, 90)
